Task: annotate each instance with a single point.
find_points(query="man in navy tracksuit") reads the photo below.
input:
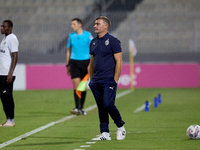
(105, 68)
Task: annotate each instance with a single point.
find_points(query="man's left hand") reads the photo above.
(9, 79)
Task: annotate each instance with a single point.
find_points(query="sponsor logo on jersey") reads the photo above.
(107, 42)
(2, 51)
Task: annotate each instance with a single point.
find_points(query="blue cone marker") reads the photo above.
(146, 109)
(159, 99)
(155, 102)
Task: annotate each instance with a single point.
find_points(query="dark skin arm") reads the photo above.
(14, 59)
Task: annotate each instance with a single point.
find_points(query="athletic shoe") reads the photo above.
(7, 124)
(103, 136)
(82, 112)
(121, 133)
(75, 111)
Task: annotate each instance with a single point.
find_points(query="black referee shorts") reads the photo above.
(78, 68)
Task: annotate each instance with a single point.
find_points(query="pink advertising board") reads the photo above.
(47, 77)
(172, 75)
(161, 75)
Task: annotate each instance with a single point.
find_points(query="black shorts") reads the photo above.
(78, 68)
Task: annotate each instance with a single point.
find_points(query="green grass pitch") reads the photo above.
(162, 128)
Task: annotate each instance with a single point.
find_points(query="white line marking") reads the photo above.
(143, 131)
(35, 131)
(79, 149)
(140, 108)
(123, 93)
(140, 132)
(90, 108)
(90, 142)
(55, 122)
(85, 145)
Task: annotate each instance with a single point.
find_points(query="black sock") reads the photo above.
(76, 98)
(83, 95)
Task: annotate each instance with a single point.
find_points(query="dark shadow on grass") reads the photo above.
(72, 141)
(48, 113)
(43, 137)
(42, 114)
(47, 143)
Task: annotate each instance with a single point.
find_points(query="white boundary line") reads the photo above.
(55, 122)
(140, 108)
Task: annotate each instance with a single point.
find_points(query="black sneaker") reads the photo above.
(75, 111)
(82, 112)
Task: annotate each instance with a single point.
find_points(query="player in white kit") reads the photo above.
(8, 60)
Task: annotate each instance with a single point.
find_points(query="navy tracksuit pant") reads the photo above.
(104, 92)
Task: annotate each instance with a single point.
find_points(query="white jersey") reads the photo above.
(8, 45)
